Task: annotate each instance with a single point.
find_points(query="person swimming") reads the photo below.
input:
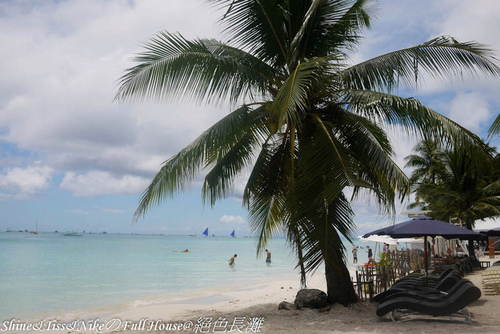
(231, 260)
(183, 251)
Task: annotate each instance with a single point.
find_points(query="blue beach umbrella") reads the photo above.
(425, 227)
(495, 232)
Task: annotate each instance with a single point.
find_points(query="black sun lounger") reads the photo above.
(429, 282)
(444, 285)
(432, 304)
(419, 279)
(425, 293)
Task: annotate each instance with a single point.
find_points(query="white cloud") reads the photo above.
(113, 211)
(487, 224)
(369, 226)
(470, 110)
(233, 219)
(79, 212)
(65, 58)
(24, 183)
(470, 20)
(96, 183)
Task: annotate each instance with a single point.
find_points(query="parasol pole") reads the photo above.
(491, 247)
(425, 258)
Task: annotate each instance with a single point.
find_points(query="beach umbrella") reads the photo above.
(425, 227)
(495, 232)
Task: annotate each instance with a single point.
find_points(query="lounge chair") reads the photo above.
(434, 304)
(421, 287)
(428, 281)
(418, 278)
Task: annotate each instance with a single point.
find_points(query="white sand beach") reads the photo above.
(254, 309)
(219, 310)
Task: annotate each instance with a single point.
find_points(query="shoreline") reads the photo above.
(165, 307)
(260, 301)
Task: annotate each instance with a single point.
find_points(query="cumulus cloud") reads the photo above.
(96, 183)
(24, 183)
(470, 110)
(481, 17)
(233, 219)
(65, 59)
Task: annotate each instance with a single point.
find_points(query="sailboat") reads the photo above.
(232, 235)
(36, 230)
(205, 233)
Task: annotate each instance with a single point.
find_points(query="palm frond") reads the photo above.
(413, 116)
(291, 101)
(178, 171)
(266, 193)
(173, 67)
(321, 241)
(371, 147)
(349, 19)
(256, 26)
(442, 57)
(221, 176)
(321, 154)
(495, 127)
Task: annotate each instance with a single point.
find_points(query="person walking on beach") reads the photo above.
(355, 254)
(231, 260)
(370, 255)
(268, 257)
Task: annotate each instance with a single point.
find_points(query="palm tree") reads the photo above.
(428, 164)
(466, 188)
(308, 125)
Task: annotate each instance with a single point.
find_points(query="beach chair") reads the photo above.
(420, 278)
(422, 287)
(491, 281)
(434, 304)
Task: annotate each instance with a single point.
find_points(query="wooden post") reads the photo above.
(491, 248)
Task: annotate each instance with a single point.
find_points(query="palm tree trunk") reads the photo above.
(298, 244)
(339, 285)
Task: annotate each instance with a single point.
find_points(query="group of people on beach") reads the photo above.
(233, 258)
(355, 254)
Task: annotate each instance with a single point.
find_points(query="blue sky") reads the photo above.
(72, 159)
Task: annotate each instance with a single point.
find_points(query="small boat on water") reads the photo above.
(72, 234)
(233, 235)
(205, 233)
(36, 230)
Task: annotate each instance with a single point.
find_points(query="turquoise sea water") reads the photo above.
(50, 274)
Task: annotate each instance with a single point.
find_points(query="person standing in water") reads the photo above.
(231, 260)
(268, 257)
